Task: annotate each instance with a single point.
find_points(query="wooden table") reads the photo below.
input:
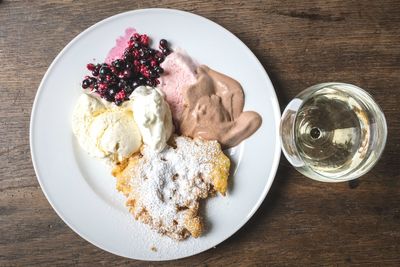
(300, 43)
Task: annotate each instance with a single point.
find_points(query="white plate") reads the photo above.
(81, 190)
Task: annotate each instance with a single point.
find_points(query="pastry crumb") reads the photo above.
(153, 248)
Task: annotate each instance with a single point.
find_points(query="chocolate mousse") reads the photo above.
(213, 109)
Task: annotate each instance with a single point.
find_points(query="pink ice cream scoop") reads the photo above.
(179, 73)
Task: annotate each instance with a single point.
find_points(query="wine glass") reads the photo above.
(333, 132)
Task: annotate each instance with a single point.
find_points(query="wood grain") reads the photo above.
(300, 43)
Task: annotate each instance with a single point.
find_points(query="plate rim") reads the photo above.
(275, 107)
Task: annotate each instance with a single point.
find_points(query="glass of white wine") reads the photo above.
(333, 132)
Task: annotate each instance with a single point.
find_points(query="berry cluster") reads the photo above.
(139, 65)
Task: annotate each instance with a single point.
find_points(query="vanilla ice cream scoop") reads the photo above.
(103, 131)
(116, 133)
(153, 116)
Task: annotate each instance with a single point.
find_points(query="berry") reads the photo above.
(127, 57)
(85, 83)
(166, 51)
(143, 62)
(104, 70)
(131, 43)
(144, 71)
(159, 70)
(103, 86)
(150, 83)
(91, 67)
(111, 92)
(153, 74)
(136, 53)
(93, 80)
(135, 84)
(120, 95)
(122, 84)
(136, 36)
(163, 43)
(143, 52)
(141, 80)
(128, 65)
(108, 78)
(127, 74)
(144, 39)
(118, 64)
(128, 89)
(127, 51)
(108, 98)
(153, 63)
(160, 60)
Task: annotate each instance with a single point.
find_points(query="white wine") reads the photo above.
(337, 132)
(332, 132)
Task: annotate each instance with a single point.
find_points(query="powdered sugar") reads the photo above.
(167, 186)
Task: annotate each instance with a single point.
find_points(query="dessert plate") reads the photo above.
(82, 190)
